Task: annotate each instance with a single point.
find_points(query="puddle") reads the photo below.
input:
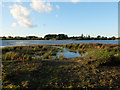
(66, 53)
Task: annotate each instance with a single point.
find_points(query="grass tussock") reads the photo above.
(28, 52)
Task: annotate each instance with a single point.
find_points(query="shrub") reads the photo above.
(102, 56)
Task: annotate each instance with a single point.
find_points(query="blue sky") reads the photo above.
(73, 19)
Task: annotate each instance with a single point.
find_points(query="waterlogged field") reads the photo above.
(38, 67)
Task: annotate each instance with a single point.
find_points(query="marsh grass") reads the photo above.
(27, 52)
(86, 46)
(99, 68)
(63, 73)
(61, 56)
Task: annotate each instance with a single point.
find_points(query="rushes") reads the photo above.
(61, 56)
(10, 55)
(27, 52)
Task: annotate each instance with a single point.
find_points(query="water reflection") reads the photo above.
(67, 53)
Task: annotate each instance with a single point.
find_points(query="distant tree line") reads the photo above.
(60, 37)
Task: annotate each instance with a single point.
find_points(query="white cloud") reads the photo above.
(22, 15)
(41, 6)
(18, 1)
(75, 1)
(58, 7)
(56, 15)
(14, 24)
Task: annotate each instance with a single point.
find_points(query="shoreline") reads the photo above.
(55, 42)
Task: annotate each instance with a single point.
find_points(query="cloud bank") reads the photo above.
(75, 1)
(62, 0)
(14, 24)
(21, 14)
(40, 6)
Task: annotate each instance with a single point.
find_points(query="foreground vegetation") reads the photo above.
(97, 68)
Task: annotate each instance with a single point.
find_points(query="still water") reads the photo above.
(51, 42)
(67, 53)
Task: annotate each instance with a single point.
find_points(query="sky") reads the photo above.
(71, 18)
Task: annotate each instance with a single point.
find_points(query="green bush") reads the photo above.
(102, 56)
